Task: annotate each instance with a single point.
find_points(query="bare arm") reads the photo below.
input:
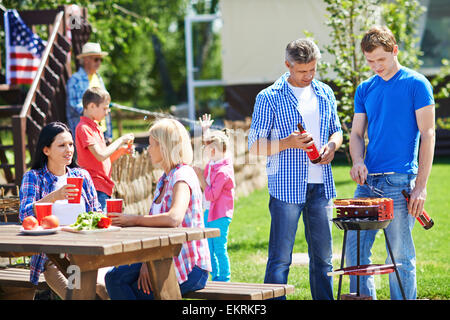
(66, 192)
(264, 147)
(201, 178)
(101, 154)
(425, 122)
(357, 148)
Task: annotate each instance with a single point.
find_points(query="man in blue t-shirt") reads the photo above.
(396, 106)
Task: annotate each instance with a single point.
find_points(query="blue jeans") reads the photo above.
(102, 199)
(220, 262)
(317, 219)
(398, 233)
(122, 282)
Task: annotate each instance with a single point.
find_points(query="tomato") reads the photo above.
(50, 222)
(104, 223)
(30, 223)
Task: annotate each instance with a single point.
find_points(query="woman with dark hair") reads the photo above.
(47, 182)
(46, 137)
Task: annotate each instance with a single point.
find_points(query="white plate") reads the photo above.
(39, 231)
(71, 229)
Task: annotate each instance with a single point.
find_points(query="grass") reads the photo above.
(249, 235)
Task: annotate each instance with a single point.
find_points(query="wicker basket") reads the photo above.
(9, 206)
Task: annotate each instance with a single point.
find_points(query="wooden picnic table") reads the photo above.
(89, 252)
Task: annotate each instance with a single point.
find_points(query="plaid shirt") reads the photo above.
(196, 252)
(275, 117)
(76, 86)
(36, 184)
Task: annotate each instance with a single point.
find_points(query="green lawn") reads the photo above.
(249, 234)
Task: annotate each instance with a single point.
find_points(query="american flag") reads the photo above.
(23, 50)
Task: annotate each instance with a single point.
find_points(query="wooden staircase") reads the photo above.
(24, 114)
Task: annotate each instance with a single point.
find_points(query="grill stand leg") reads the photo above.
(357, 261)
(342, 265)
(395, 265)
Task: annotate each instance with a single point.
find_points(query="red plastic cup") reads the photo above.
(114, 206)
(42, 210)
(78, 182)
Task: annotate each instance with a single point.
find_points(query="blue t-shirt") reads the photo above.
(392, 127)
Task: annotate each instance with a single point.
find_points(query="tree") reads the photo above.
(401, 17)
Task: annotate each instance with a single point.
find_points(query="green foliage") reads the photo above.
(401, 16)
(441, 85)
(443, 123)
(126, 38)
(440, 81)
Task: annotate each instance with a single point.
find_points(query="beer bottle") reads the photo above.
(313, 155)
(424, 219)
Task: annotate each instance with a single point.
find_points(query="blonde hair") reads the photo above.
(219, 139)
(174, 142)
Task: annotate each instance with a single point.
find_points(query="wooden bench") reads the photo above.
(215, 290)
(15, 284)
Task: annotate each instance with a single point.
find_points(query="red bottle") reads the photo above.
(313, 155)
(424, 219)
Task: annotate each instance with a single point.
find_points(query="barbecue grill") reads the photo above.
(364, 214)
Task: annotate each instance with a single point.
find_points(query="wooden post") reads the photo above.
(19, 138)
(119, 121)
(86, 289)
(164, 280)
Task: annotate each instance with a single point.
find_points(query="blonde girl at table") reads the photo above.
(54, 161)
(177, 203)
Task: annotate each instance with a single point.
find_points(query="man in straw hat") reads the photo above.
(86, 77)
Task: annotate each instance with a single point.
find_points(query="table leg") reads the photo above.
(164, 280)
(85, 288)
(61, 263)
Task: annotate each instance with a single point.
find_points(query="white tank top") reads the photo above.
(308, 107)
(156, 207)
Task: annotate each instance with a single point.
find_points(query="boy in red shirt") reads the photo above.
(93, 154)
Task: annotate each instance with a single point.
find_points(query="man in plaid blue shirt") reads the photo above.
(295, 184)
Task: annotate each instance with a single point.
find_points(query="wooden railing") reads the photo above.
(45, 101)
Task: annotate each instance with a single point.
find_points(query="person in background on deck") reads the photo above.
(86, 77)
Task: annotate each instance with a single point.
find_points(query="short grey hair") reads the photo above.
(302, 51)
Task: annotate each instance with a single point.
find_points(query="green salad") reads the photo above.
(88, 220)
